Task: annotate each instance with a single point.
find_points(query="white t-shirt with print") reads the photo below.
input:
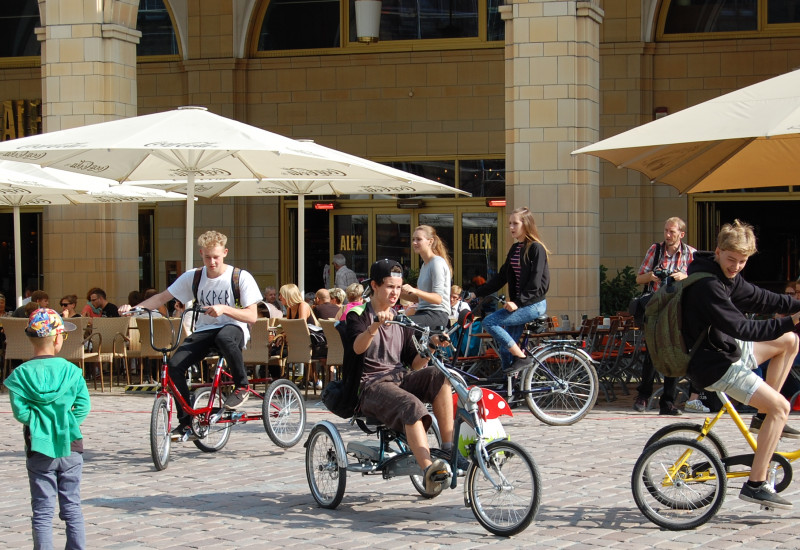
(211, 292)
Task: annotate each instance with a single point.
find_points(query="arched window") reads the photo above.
(315, 24)
(17, 23)
(155, 24)
(701, 19)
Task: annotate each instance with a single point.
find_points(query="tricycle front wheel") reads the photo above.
(507, 506)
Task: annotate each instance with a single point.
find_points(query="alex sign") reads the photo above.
(351, 242)
(21, 117)
(480, 241)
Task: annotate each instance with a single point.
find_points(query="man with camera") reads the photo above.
(664, 262)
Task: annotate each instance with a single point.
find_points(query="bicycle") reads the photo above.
(561, 386)
(502, 483)
(682, 461)
(283, 411)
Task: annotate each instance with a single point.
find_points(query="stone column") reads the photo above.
(89, 76)
(552, 108)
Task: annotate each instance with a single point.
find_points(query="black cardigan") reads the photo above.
(534, 277)
(721, 303)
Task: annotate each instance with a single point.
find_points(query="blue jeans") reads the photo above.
(506, 327)
(52, 478)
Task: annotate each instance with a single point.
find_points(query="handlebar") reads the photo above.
(173, 341)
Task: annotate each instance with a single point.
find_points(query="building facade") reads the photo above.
(485, 96)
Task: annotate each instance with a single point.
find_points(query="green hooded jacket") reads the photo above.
(50, 396)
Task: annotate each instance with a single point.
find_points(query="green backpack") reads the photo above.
(663, 322)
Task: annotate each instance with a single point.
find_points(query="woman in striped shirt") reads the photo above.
(526, 273)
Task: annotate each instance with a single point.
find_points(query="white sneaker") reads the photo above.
(696, 406)
(319, 384)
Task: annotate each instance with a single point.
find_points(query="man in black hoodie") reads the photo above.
(716, 306)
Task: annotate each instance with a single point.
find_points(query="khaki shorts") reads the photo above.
(739, 382)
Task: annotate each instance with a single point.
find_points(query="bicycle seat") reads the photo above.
(368, 425)
(538, 325)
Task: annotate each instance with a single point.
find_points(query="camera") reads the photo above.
(663, 275)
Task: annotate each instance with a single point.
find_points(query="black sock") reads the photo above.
(761, 416)
(754, 484)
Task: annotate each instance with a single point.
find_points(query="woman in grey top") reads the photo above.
(432, 294)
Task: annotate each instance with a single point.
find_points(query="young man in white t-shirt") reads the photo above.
(223, 325)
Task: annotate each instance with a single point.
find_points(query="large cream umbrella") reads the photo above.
(28, 185)
(744, 139)
(190, 145)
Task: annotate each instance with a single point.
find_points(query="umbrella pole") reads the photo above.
(189, 221)
(301, 225)
(17, 256)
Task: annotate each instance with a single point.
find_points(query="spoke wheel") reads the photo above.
(508, 509)
(211, 438)
(159, 433)
(326, 478)
(284, 413)
(561, 387)
(678, 483)
(690, 431)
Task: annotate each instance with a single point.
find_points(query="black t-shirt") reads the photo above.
(109, 310)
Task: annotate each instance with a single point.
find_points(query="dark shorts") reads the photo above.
(398, 398)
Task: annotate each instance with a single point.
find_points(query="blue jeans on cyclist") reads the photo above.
(506, 328)
(228, 340)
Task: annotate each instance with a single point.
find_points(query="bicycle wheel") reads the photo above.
(211, 438)
(508, 509)
(284, 413)
(326, 478)
(561, 387)
(418, 481)
(159, 433)
(678, 483)
(691, 431)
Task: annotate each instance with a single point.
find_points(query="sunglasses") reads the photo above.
(64, 304)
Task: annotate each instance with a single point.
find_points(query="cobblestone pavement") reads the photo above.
(253, 494)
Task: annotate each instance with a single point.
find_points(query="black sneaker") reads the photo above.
(640, 405)
(669, 409)
(237, 398)
(462, 464)
(764, 495)
(436, 474)
(182, 432)
(518, 364)
(788, 431)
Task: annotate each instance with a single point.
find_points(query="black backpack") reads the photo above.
(341, 396)
(198, 274)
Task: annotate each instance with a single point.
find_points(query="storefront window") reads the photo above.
(350, 239)
(31, 254)
(421, 19)
(483, 178)
(17, 23)
(393, 238)
(702, 16)
(440, 171)
(158, 36)
(300, 24)
(478, 247)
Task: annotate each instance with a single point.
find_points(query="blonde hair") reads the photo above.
(291, 294)
(455, 289)
(737, 237)
(210, 239)
(338, 294)
(529, 225)
(354, 292)
(438, 247)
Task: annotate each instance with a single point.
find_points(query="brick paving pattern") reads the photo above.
(252, 494)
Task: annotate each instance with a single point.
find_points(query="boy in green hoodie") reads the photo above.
(50, 398)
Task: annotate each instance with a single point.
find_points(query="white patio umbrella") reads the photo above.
(28, 185)
(190, 144)
(747, 138)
